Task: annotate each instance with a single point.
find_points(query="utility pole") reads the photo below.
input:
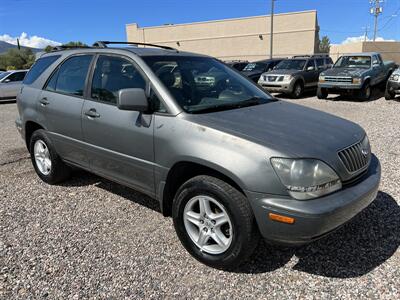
(366, 33)
(376, 10)
(271, 37)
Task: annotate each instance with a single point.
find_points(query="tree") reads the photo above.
(69, 44)
(17, 59)
(324, 45)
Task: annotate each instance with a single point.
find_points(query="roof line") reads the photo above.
(224, 20)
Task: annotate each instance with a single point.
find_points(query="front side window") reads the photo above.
(112, 74)
(291, 64)
(39, 67)
(202, 84)
(310, 63)
(255, 67)
(70, 77)
(320, 63)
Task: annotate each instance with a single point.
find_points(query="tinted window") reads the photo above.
(70, 77)
(310, 63)
(17, 76)
(39, 67)
(329, 61)
(5, 74)
(113, 74)
(291, 64)
(320, 63)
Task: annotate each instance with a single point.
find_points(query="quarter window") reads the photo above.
(112, 74)
(39, 67)
(70, 77)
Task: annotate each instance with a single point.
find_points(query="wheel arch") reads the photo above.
(183, 171)
(30, 127)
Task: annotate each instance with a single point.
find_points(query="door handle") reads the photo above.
(44, 101)
(92, 113)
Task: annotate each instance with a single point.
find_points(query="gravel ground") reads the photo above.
(90, 238)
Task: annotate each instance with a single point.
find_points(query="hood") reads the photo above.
(291, 129)
(283, 72)
(345, 72)
(252, 73)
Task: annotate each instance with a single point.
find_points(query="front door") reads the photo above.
(120, 143)
(61, 105)
(311, 76)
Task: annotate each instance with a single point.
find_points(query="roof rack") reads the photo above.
(103, 44)
(311, 55)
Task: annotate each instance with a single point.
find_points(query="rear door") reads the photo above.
(120, 142)
(12, 84)
(61, 103)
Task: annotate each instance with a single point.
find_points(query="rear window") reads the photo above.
(39, 67)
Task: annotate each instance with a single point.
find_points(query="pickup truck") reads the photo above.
(355, 74)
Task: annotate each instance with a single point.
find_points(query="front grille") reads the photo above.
(338, 79)
(355, 158)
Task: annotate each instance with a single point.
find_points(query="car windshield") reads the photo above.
(291, 64)
(353, 62)
(2, 75)
(254, 67)
(202, 84)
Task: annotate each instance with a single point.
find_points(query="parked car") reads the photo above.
(228, 163)
(393, 85)
(254, 70)
(237, 64)
(355, 74)
(294, 76)
(10, 84)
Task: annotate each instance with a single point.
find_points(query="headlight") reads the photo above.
(306, 178)
(287, 77)
(321, 78)
(395, 77)
(357, 80)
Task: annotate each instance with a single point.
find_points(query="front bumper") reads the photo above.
(277, 86)
(339, 86)
(393, 87)
(314, 218)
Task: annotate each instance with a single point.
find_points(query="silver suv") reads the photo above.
(226, 160)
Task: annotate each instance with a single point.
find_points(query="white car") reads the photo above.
(10, 84)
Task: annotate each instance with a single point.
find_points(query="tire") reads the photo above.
(322, 93)
(298, 90)
(240, 231)
(388, 94)
(365, 92)
(48, 165)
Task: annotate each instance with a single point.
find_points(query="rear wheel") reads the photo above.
(48, 165)
(214, 222)
(322, 93)
(298, 90)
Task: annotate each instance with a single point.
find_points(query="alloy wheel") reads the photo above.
(42, 157)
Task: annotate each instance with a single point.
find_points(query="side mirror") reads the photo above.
(311, 68)
(375, 65)
(7, 80)
(132, 99)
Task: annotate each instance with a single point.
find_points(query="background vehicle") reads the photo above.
(224, 159)
(393, 85)
(355, 74)
(10, 83)
(237, 64)
(254, 70)
(294, 76)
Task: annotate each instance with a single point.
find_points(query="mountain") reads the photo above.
(4, 46)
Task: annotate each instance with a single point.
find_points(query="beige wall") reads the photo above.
(388, 50)
(294, 33)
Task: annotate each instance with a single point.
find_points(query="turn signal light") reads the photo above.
(280, 218)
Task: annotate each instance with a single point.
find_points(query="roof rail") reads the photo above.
(103, 44)
(66, 47)
(311, 55)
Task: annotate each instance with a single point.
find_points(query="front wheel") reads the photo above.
(389, 95)
(322, 93)
(365, 92)
(215, 222)
(298, 90)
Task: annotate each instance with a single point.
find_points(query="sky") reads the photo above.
(41, 22)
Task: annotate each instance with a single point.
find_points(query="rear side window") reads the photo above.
(39, 67)
(17, 76)
(320, 63)
(70, 77)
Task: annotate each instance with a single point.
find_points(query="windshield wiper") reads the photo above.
(218, 107)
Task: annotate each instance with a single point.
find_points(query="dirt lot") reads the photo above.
(90, 238)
